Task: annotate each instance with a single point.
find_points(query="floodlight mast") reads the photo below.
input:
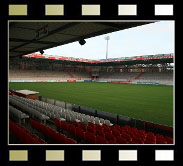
(107, 38)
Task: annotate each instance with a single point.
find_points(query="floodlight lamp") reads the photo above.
(107, 38)
(82, 42)
(42, 52)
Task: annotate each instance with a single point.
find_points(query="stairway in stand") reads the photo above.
(140, 75)
(70, 74)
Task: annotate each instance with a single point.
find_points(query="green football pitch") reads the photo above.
(144, 102)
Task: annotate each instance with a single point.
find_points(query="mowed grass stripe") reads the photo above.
(145, 102)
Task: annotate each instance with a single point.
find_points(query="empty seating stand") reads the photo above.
(24, 135)
(51, 134)
(85, 127)
(44, 75)
(47, 111)
(17, 114)
(103, 134)
(26, 107)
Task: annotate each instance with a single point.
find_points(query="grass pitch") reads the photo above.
(146, 102)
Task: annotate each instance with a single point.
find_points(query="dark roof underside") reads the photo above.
(29, 37)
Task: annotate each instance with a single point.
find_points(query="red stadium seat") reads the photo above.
(80, 133)
(101, 140)
(142, 132)
(76, 124)
(115, 132)
(71, 129)
(82, 126)
(112, 141)
(110, 138)
(134, 130)
(161, 142)
(90, 137)
(169, 140)
(140, 136)
(149, 141)
(91, 129)
(160, 136)
(123, 131)
(138, 139)
(100, 133)
(126, 136)
(34, 139)
(59, 138)
(33, 123)
(57, 122)
(150, 125)
(134, 142)
(117, 127)
(50, 133)
(63, 125)
(121, 140)
(126, 127)
(42, 128)
(150, 134)
(98, 127)
(160, 139)
(91, 124)
(70, 141)
(42, 141)
(24, 135)
(106, 128)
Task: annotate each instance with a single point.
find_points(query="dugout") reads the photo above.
(27, 94)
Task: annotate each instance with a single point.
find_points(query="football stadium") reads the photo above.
(68, 100)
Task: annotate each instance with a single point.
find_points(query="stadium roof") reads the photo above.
(27, 37)
(145, 59)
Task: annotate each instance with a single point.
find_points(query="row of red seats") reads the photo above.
(24, 135)
(135, 136)
(95, 133)
(143, 137)
(52, 134)
(86, 133)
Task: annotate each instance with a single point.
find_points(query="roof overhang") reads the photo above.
(27, 37)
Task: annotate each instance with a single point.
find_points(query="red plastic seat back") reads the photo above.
(98, 127)
(90, 137)
(115, 132)
(76, 124)
(82, 126)
(63, 125)
(71, 129)
(57, 122)
(91, 124)
(126, 136)
(70, 141)
(169, 140)
(100, 133)
(120, 140)
(80, 133)
(91, 129)
(101, 140)
(109, 136)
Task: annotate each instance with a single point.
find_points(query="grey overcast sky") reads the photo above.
(154, 38)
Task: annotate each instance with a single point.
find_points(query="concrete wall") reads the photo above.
(87, 110)
(51, 101)
(60, 103)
